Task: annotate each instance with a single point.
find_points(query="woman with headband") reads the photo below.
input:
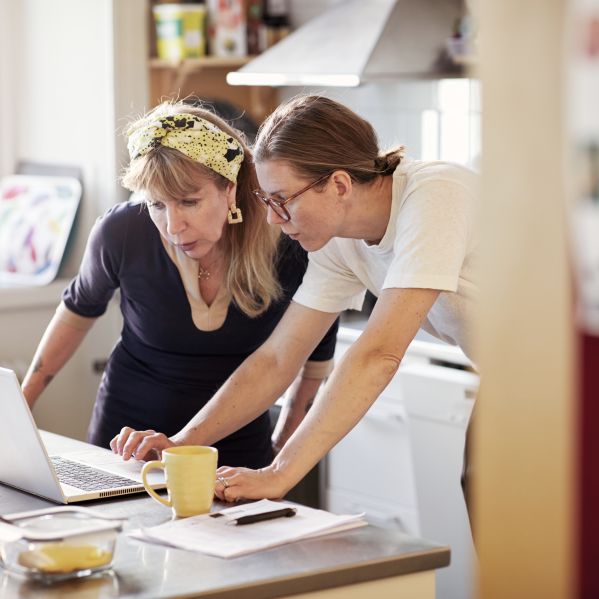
(404, 229)
(203, 281)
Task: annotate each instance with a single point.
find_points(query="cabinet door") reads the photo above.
(374, 459)
(401, 464)
(438, 403)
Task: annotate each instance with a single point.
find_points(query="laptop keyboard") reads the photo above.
(88, 478)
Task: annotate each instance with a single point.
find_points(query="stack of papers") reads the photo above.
(222, 537)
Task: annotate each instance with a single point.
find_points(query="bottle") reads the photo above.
(255, 27)
(276, 21)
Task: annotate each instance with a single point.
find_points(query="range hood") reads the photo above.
(360, 41)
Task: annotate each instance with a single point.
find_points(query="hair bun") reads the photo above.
(387, 163)
(381, 163)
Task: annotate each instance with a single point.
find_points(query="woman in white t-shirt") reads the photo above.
(401, 228)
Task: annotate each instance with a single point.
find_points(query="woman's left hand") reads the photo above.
(236, 484)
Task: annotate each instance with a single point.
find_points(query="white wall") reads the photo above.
(65, 82)
(78, 72)
(435, 120)
(7, 99)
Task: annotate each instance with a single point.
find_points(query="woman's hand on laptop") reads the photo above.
(141, 445)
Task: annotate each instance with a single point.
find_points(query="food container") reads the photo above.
(58, 543)
(180, 31)
(227, 30)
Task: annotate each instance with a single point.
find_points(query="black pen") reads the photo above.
(286, 512)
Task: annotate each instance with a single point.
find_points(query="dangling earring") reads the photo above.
(234, 216)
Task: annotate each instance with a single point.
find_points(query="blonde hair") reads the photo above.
(317, 135)
(251, 247)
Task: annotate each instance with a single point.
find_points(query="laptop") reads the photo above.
(69, 477)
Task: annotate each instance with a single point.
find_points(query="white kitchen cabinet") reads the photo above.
(401, 464)
(370, 470)
(439, 401)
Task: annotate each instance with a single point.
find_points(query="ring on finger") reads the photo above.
(223, 481)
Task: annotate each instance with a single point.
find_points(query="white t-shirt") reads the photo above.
(430, 242)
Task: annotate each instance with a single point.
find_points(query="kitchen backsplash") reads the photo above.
(435, 120)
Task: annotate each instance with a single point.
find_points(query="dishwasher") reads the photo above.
(401, 464)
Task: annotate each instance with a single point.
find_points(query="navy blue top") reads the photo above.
(163, 369)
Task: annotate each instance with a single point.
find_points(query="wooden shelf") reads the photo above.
(205, 62)
(206, 78)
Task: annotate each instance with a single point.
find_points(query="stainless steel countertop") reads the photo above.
(146, 570)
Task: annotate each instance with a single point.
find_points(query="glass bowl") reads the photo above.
(58, 543)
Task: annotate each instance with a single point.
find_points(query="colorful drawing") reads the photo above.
(36, 216)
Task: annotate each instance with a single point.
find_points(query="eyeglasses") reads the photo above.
(278, 206)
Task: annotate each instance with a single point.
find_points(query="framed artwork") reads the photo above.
(36, 216)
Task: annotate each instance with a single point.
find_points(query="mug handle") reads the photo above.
(153, 465)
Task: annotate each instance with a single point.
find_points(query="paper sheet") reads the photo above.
(217, 536)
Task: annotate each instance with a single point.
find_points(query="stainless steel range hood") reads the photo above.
(359, 41)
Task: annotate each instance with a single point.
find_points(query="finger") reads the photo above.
(233, 495)
(113, 444)
(219, 492)
(226, 471)
(228, 495)
(130, 447)
(122, 438)
(153, 454)
(150, 446)
(221, 485)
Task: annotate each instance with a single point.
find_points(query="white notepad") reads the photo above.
(220, 537)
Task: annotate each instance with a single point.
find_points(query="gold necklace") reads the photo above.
(203, 273)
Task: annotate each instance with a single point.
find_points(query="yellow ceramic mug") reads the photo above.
(190, 473)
